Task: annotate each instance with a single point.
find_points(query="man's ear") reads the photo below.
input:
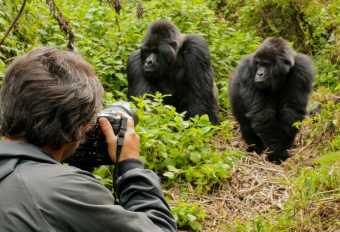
(86, 126)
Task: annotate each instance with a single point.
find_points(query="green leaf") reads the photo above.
(206, 129)
(188, 175)
(195, 225)
(106, 181)
(191, 217)
(102, 171)
(98, 177)
(92, 10)
(195, 156)
(172, 168)
(153, 121)
(203, 121)
(314, 105)
(309, 183)
(327, 158)
(41, 31)
(171, 175)
(120, 76)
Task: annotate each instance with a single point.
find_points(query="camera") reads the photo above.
(94, 151)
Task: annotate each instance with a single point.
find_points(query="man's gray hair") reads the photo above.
(48, 96)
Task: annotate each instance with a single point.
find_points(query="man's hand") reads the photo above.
(131, 140)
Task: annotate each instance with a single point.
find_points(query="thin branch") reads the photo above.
(14, 22)
(64, 24)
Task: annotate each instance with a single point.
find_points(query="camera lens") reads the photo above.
(121, 106)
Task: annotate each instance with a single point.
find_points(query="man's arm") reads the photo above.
(137, 190)
(70, 199)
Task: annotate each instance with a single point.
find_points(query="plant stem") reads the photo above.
(14, 22)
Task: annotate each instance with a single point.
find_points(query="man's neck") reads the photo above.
(57, 154)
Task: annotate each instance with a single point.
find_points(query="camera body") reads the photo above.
(94, 151)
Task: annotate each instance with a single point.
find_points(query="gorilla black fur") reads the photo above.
(268, 93)
(175, 64)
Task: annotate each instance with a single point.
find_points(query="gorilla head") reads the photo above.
(273, 59)
(159, 49)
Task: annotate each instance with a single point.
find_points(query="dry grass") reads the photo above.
(255, 187)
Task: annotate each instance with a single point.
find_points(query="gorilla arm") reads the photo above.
(241, 92)
(137, 84)
(297, 87)
(199, 79)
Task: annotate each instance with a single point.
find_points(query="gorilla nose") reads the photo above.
(259, 78)
(148, 62)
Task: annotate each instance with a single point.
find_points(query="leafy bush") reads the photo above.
(106, 39)
(189, 214)
(182, 150)
(309, 24)
(324, 124)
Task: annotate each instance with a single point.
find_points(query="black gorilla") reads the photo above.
(175, 64)
(268, 93)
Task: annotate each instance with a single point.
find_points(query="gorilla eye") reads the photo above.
(145, 53)
(173, 44)
(155, 51)
(287, 62)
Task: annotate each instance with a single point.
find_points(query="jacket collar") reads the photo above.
(24, 150)
(12, 153)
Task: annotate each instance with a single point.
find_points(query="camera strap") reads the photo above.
(120, 142)
(121, 135)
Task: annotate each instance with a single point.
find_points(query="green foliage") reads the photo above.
(311, 186)
(328, 71)
(326, 123)
(189, 214)
(309, 24)
(106, 39)
(306, 19)
(182, 150)
(104, 174)
(328, 158)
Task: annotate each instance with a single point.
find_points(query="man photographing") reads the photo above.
(48, 101)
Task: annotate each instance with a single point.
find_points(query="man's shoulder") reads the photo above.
(47, 170)
(47, 183)
(53, 174)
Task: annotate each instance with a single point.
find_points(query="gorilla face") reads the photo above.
(157, 59)
(273, 59)
(159, 49)
(263, 69)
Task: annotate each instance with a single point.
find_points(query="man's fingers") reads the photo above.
(107, 130)
(130, 122)
(110, 137)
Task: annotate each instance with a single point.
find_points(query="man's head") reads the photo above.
(48, 96)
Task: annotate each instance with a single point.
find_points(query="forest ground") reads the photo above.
(257, 187)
